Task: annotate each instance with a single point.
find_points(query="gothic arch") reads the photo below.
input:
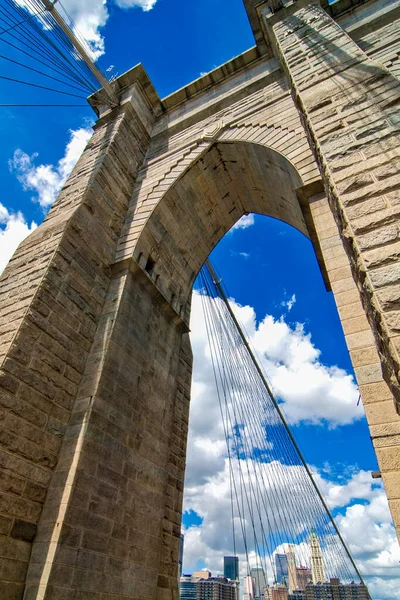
(276, 128)
(227, 181)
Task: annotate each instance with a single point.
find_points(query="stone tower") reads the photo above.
(95, 360)
(291, 563)
(317, 563)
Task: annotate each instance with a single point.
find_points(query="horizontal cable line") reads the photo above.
(41, 73)
(57, 55)
(48, 65)
(44, 105)
(270, 482)
(23, 22)
(39, 52)
(40, 86)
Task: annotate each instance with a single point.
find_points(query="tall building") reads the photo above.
(187, 588)
(180, 559)
(281, 568)
(248, 588)
(335, 590)
(304, 576)
(216, 588)
(188, 584)
(278, 591)
(231, 567)
(297, 595)
(202, 574)
(260, 582)
(317, 563)
(291, 562)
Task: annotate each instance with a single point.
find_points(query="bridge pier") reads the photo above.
(377, 399)
(349, 109)
(111, 523)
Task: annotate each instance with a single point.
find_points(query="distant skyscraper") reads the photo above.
(297, 595)
(248, 588)
(187, 588)
(180, 560)
(278, 591)
(216, 588)
(317, 563)
(258, 576)
(303, 575)
(202, 574)
(231, 567)
(291, 562)
(281, 567)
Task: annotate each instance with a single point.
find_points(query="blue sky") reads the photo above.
(265, 265)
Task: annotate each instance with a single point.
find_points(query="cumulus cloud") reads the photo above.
(47, 180)
(146, 5)
(340, 494)
(365, 525)
(88, 17)
(13, 229)
(310, 392)
(243, 223)
(368, 530)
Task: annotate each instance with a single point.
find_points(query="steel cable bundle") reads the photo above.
(274, 498)
(32, 41)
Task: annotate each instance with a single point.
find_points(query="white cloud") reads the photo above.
(359, 485)
(244, 222)
(90, 16)
(310, 392)
(365, 525)
(47, 180)
(146, 5)
(13, 229)
(288, 304)
(244, 255)
(371, 537)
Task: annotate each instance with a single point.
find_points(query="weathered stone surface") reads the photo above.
(360, 202)
(379, 407)
(92, 452)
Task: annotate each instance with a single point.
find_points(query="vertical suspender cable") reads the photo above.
(279, 411)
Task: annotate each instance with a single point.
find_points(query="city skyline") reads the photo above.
(289, 579)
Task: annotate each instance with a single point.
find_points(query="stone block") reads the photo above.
(23, 530)
(10, 590)
(364, 356)
(355, 325)
(391, 482)
(381, 412)
(360, 339)
(388, 457)
(395, 511)
(375, 392)
(369, 374)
